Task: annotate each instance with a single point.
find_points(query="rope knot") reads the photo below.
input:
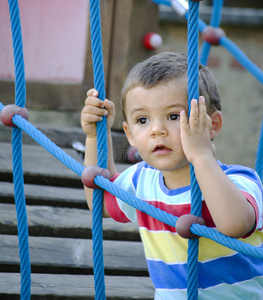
(88, 175)
(212, 35)
(184, 223)
(9, 111)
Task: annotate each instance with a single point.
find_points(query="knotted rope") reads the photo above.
(20, 100)
(193, 93)
(102, 149)
(105, 184)
(215, 22)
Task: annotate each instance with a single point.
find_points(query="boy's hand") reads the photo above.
(195, 134)
(93, 111)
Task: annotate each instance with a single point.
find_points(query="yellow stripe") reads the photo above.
(171, 248)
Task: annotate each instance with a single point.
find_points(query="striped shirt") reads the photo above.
(222, 271)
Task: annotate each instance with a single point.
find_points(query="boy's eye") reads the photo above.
(142, 120)
(174, 117)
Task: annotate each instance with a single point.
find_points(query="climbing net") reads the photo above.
(15, 116)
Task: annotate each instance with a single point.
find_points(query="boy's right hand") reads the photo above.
(93, 111)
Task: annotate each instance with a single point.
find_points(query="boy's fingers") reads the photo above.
(205, 120)
(202, 111)
(89, 120)
(109, 105)
(92, 101)
(183, 119)
(92, 92)
(202, 106)
(93, 118)
(93, 110)
(194, 118)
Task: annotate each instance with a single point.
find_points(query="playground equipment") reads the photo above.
(15, 116)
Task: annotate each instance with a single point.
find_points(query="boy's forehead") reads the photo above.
(168, 94)
(171, 86)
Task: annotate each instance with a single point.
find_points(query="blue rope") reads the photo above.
(47, 144)
(22, 225)
(259, 156)
(224, 41)
(20, 82)
(99, 84)
(215, 22)
(206, 47)
(202, 25)
(102, 158)
(242, 58)
(216, 15)
(163, 2)
(105, 184)
(169, 219)
(238, 54)
(193, 93)
(20, 100)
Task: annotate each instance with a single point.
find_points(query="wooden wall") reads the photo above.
(133, 19)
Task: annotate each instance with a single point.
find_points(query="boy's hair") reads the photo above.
(167, 66)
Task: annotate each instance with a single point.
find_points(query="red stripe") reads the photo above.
(150, 223)
(253, 202)
(113, 207)
(177, 210)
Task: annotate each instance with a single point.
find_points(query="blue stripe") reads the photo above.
(228, 270)
(242, 171)
(168, 276)
(172, 192)
(141, 165)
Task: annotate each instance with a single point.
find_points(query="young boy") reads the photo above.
(155, 108)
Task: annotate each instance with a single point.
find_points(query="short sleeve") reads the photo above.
(249, 183)
(119, 210)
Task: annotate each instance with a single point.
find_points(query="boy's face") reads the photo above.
(153, 124)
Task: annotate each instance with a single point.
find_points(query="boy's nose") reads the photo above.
(158, 129)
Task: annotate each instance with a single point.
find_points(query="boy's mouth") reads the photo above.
(161, 149)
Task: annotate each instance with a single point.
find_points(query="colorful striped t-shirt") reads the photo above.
(223, 273)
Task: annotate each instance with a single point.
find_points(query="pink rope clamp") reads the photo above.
(212, 35)
(184, 223)
(90, 172)
(9, 111)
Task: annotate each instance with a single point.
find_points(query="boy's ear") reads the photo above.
(217, 122)
(128, 133)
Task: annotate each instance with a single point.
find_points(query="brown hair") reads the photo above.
(166, 66)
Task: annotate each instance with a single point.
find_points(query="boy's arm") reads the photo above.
(92, 112)
(232, 214)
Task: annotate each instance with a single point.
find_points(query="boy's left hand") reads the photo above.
(195, 134)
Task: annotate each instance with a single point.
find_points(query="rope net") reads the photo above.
(194, 24)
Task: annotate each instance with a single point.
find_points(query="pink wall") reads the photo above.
(54, 40)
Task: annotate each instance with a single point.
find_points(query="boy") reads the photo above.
(155, 107)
